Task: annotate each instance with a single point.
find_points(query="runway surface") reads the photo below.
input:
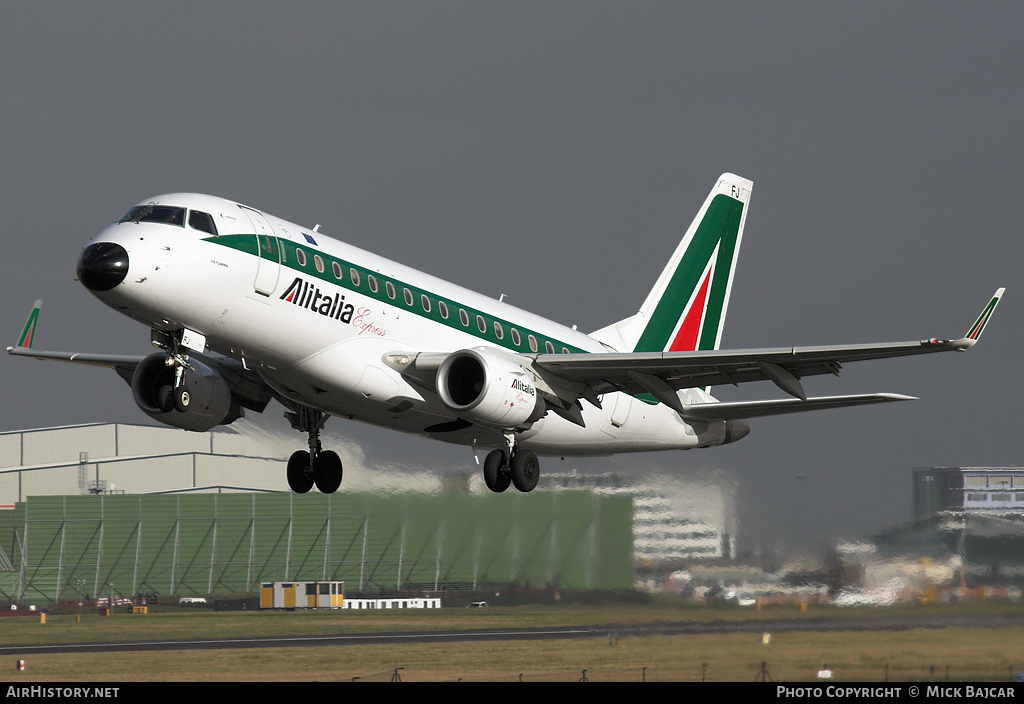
(563, 633)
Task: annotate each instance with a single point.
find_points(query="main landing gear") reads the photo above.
(512, 465)
(316, 466)
(181, 399)
(174, 396)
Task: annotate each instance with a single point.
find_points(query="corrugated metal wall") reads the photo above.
(62, 547)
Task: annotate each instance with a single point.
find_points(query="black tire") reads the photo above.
(182, 399)
(165, 398)
(496, 474)
(299, 479)
(525, 470)
(327, 472)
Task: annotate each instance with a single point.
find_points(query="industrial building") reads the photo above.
(107, 458)
(105, 510)
(114, 509)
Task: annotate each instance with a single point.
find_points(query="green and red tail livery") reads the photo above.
(685, 311)
(28, 334)
(979, 325)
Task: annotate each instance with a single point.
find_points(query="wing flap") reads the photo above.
(742, 410)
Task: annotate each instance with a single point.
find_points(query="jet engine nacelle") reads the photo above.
(488, 388)
(211, 403)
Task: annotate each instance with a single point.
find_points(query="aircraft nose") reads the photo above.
(102, 266)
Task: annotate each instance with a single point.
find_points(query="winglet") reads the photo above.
(976, 329)
(28, 334)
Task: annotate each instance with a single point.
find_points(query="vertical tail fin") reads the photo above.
(686, 308)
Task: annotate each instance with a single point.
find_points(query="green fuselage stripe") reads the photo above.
(268, 250)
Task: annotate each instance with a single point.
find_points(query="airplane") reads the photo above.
(245, 308)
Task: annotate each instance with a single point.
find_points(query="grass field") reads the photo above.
(971, 654)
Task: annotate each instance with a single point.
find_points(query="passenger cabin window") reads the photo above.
(407, 295)
(515, 337)
(318, 260)
(300, 257)
(498, 331)
(425, 302)
(354, 275)
(336, 268)
(390, 288)
(372, 280)
(166, 214)
(443, 307)
(202, 221)
(464, 317)
(533, 343)
(550, 348)
(481, 323)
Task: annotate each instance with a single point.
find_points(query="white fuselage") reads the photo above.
(306, 317)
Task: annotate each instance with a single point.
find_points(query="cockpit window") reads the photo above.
(202, 221)
(167, 214)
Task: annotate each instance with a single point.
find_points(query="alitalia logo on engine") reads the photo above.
(522, 386)
(308, 296)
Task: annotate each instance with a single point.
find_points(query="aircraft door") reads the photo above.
(268, 264)
(619, 412)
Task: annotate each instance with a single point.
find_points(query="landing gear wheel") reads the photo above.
(525, 470)
(496, 474)
(299, 479)
(182, 399)
(327, 471)
(165, 398)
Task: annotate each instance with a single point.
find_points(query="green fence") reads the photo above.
(65, 547)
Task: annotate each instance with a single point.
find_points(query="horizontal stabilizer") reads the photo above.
(739, 410)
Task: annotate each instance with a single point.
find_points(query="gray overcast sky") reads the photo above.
(555, 152)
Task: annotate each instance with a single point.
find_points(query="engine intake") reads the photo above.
(488, 388)
(211, 401)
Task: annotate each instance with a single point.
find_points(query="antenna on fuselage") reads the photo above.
(315, 229)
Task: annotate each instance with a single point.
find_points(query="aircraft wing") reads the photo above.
(661, 374)
(124, 365)
(245, 385)
(113, 361)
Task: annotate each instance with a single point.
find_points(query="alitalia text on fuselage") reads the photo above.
(306, 295)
